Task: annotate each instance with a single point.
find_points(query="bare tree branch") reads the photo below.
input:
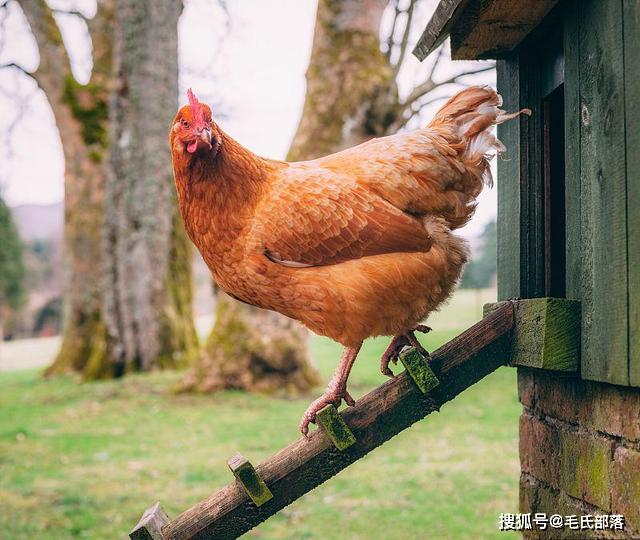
(390, 40)
(429, 85)
(73, 12)
(405, 37)
(13, 65)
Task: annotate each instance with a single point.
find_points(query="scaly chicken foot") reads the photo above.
(392, 352)
(336, 390)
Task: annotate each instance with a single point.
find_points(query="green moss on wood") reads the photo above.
(546, 333)
(419, 370)
(88, 104)
(252, 484)
(332, 423)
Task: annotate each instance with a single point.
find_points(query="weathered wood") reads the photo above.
(631, 14)
(375, 418)
(334, 426)
(250, 481)
(572, 152)
(604, 216)
(492, 29)
(508, 81)
(150, 525)
(487, 29)
(546, 333)
(438, 27)
(418, 369)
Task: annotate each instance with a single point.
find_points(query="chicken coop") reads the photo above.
(569, 234)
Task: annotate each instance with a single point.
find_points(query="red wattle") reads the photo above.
(192, 147)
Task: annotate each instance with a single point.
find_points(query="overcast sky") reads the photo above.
(250, 64)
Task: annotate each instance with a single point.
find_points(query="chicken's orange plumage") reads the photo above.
(353, 245)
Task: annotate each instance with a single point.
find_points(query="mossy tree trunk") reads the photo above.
(148, 320)
(82, 113)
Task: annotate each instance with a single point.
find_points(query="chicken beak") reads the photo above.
(205, 136)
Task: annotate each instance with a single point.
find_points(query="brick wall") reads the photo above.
(579, 451)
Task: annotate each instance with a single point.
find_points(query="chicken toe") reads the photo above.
(336, 390)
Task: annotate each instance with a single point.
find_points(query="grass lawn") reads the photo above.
(84, 460)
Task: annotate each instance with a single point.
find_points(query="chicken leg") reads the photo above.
(392, 352)
(336, 390)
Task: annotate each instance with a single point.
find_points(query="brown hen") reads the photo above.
(352, 245)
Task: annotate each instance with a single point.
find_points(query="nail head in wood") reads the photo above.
(248, 477)
(150, 525)
(418, 369)
(332, 423)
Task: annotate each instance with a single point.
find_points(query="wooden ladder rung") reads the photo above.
(249, 479)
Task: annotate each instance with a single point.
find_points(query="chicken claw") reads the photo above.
(392, 352)
(335, 392)
(330, 397)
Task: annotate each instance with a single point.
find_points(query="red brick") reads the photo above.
(585, 459)
(625, 488)
(539, 449)
(559, 396)
(526, 381)
(616, 410)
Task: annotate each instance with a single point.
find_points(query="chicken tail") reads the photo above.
(472, 113)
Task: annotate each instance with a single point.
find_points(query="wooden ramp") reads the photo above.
(342, 439)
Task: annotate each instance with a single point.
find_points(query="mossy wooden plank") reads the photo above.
(572, 152)
(546, 333)
(150, 525)
(508, 81)
(631, 13)
(603, 184)
(332, 423)
(419, 370)
(249, 479)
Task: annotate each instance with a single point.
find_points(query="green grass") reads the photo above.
(84, 460)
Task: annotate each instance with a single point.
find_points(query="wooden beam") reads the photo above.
(492, 29)
(246, 475)
(438, 27)
(150, 525)
(481, 28)
(546, 333)
(334, 426)
(376, 417)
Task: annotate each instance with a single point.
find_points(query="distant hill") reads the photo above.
(39, 221)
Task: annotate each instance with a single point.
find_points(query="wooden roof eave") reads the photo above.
(481, 29)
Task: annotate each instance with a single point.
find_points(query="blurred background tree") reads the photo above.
(480, 272)
(11, 270)
(119, 212)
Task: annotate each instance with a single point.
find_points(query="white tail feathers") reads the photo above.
(473, 112)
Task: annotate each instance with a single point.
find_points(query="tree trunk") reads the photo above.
(159, 287)
(147, 298)
(348, 80)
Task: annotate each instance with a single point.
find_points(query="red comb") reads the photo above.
(196, 107)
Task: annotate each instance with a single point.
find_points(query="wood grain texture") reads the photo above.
(572, 151)
(251, 482)
(546, 333)
(604, 217)
(375, 418)
(493, 28)
(631, 14)
(150, 525)
(438, 27)
(418, 368)
(508, 81)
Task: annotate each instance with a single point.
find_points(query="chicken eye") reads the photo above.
(185, 124)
